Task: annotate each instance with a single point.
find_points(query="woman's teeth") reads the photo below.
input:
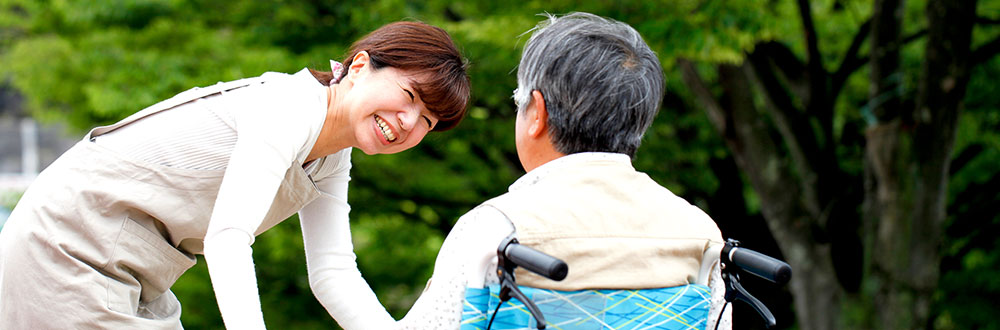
(385, 129)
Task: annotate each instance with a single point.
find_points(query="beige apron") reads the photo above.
(98, 239)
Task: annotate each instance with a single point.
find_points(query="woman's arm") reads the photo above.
(273, 122)
(333, 271)
(246, 193)
(468, 258)
(231, 268)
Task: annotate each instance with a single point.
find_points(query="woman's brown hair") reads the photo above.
(422, 50)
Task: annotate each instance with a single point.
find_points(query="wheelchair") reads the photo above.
(680, 307)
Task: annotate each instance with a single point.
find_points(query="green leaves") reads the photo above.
(103, 76)
(94, 62)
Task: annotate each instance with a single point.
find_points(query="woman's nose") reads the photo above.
(408, 119)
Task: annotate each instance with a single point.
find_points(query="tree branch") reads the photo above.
(750, 141)
(792, 70)
(796, 132)
(818, 101)
(754, 148)
(850, 65)
(694, 82)
(914, 36)
(774, 91)
(885, 100)
(987, 20)
(964, 157)
(851, 61)
(985, 52)
(809, 30)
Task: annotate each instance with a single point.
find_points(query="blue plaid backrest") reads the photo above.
(681, 307)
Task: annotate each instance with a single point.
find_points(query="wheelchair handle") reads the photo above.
(536, 261)
(510, 255)
(756, 263)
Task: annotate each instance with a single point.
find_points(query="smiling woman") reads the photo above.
(395, 76)
(375, 110)
(101, 235)
(419, 50)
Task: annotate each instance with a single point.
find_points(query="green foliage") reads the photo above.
(398, 255)
(970, 283)
(94, 62)
(199, 309)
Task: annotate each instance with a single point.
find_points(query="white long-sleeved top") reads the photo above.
(255, 134)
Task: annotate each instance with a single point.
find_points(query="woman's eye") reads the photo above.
(429, 125)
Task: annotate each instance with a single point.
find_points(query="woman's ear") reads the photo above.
(359, 64)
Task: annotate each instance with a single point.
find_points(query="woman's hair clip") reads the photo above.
(337, 68)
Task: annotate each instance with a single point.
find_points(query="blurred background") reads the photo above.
(856, 139)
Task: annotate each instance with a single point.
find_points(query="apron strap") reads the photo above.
(183, 97)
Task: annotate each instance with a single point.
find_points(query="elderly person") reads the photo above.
(588, 88)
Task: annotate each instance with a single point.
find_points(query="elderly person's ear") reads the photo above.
(538, 115)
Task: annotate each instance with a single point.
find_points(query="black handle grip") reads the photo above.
(756, 263)
(536, 261)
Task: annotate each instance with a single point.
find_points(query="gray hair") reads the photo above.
(601, 83)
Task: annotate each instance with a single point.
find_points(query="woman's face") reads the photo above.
(386, 113)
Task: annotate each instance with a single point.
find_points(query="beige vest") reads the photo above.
(616, 228)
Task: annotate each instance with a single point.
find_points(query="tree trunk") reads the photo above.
(908, 154)
(886, 78)
(814, 286)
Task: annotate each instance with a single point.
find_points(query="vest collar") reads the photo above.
(570, 160)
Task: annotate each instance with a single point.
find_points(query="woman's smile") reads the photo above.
(387, 133)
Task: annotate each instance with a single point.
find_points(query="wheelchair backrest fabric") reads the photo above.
(680, 307)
